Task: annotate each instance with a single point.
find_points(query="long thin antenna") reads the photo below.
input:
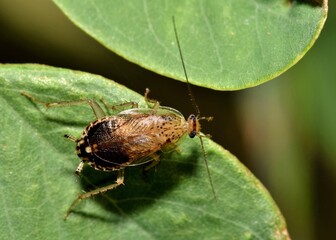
(192, 98)
(191, 95)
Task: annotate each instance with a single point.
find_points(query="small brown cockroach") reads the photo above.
(132, 137)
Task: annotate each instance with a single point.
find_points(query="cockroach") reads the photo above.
(132, 137)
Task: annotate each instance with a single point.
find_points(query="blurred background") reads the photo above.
(284, 131)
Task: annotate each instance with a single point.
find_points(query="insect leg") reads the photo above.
(98, 111)
(119, 106)
(79, 168)
(71, 138)
(119, 181)
(156, 160)
(155, 104)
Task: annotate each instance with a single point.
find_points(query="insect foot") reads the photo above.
(119, 181)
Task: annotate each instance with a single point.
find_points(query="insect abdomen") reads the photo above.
(101, 148)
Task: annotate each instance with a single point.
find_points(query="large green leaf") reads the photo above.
(227, 45)
(37, 182)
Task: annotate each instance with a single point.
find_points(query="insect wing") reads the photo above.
(105, 144)
(120, 140)
(162, 110)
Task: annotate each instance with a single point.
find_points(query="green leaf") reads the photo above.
(37, 183)
(226, 45)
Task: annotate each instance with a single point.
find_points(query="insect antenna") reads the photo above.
(196, 108)
(191, 95)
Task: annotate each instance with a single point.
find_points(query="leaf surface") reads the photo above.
(228, 45)
(175, 201)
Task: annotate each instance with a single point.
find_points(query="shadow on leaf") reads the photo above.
(140, 190)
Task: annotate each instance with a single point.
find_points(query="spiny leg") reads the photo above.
(98, 111)
(119, 181)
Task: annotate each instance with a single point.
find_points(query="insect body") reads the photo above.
(132, 137)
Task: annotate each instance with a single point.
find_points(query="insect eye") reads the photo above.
(192, 134)
(193, 126)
